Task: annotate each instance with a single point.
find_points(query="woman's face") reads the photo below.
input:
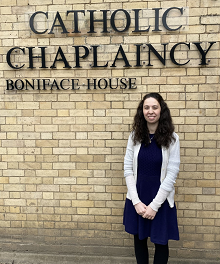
(151, 110)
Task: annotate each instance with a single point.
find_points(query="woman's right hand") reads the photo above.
(140, 208)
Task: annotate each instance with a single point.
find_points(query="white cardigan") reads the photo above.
(169, 170)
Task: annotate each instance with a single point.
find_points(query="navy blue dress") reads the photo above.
(164, 226)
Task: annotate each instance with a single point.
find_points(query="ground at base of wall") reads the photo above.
(27, 258)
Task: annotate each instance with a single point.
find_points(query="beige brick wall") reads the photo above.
(61, 151)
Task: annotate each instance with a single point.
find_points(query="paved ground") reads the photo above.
(27, 258)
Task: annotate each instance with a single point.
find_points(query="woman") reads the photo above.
(151, 165)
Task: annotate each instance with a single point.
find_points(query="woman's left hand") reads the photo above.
(150, 213)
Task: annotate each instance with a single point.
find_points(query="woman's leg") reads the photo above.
(141, 250)
(161, 254)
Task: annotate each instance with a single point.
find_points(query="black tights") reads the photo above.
(141, 252)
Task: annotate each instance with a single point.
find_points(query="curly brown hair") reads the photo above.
(164, 133)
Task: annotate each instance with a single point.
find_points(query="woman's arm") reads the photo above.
(171, 173)
(172, 166)
(159, 199)
(132, 190)
(129, 172)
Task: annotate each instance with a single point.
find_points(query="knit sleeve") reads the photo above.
(132, 190)
(159, 199)
(129, 172)
(171, 173)
(172, 166)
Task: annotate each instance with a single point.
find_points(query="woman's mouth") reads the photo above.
(151, 117)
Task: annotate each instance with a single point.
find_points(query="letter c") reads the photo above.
(164, 18)
(173, 51)
(8, 57)
(31, 22)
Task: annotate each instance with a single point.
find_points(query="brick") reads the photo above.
(100, 211)
(78, 203)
